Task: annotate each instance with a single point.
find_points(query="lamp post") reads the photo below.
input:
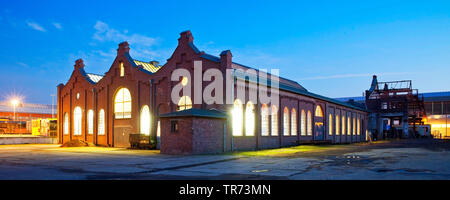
(14, 103)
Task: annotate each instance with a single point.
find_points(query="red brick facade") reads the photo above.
(196, 135)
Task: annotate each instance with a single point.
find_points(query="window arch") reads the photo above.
(66, 123)
(274, 120)
(237, 114)
(250, 119)
(309, 123)
(184, 103)
(286, 126)
(145, 120)
(101, 122)
(330, 122)
(293, 122)
(122, 104)
(303, 122)
(337, 125)
(90, 122)
(264, 120)
(319, 112)
(77, 116)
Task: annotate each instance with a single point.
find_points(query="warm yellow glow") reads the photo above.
(293, 122)
(122, 70)
(309, 123)
(343, 124)
(274, 120)
(101, 122)
(286, 121)
(90, 122)
(77, 117)
(66, 123)
(184, 81)
(440, 125)
(184, 103)
(337, 125)
(145, 120)
(349, 125)
(250, 119)
(122, 104)
(237, 115)
(303, 122)
(158, 129)
(359, 127)
(264, 120)
(330, 122)
(319, 112)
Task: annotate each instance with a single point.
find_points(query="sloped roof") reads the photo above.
(195, 112)
(28, 108)
(94, 77)
(147, 66)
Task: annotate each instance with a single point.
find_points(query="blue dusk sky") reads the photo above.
(332, 48)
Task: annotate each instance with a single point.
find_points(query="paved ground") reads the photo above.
(401, 159)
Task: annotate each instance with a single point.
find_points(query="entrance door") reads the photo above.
(122, 136)
(319, 131)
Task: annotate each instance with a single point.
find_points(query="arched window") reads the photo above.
(338, 131)
(66, 123)
(237, 114)
(343, 123)
(330, 122)
(90, 122)
(101, 122)
(250, 119)
(184, 103)
(354, 126)
(264, 120)
(349, 124)
(274, 120)
(122, 70)
(303, 122)
(319, 112)
(293, 122)
(122, 104)
(145, 120)
(77, 115)
(158, 129)
(286, 126)
(309, 123)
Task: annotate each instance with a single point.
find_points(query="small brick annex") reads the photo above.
(149, 85)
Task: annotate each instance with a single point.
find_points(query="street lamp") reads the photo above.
(15, 103)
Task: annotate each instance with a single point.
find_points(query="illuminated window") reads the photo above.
(303, 122)
(293, 122)
(66, 123)
(309, 123)
(330, 122)
(343, 124)
(354, 126)
(184, 103)
(250, 119)
(337, 125)
(286, 121)
(264, 120)
(237, 115)
(122, 104)
(349, 124)
(359, 127)
(122, 70)
(77, 115)
(90, 122)
(158, 129)
(101, 122)
(274, 120)
(145, 120)
(319, 112)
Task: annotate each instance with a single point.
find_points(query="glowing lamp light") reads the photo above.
(15, 102)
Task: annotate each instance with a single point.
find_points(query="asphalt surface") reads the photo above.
(393, 160)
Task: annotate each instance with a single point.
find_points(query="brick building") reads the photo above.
(135, 97)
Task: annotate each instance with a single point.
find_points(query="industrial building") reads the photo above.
(135, 97)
